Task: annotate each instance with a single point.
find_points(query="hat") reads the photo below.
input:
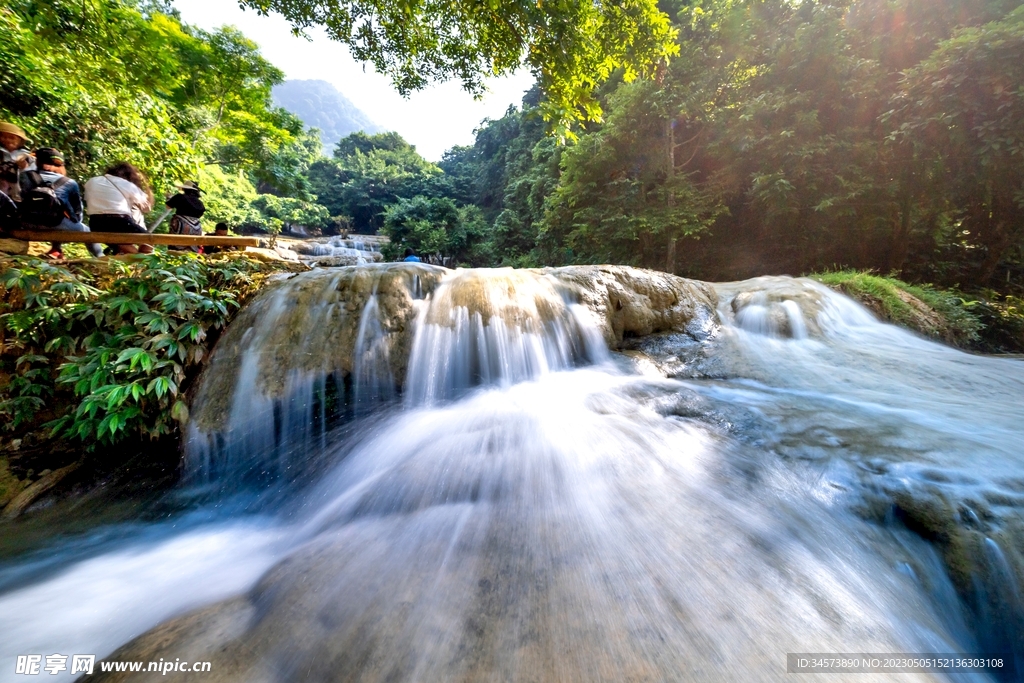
(48, 156)
(13, 130)
(188, 185)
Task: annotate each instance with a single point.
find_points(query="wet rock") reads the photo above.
(47, 480)
(630, 302)
(677, 355)
(268, 255)
(317, 317)
(774, 306)
(314, 328)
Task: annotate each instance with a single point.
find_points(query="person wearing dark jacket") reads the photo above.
(8, 209)
(53, 172)
(188, 209)
(219, 230)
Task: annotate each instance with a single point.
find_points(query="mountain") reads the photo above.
(320, 105)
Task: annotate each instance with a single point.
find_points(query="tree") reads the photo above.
(366, 143)
(619, 199)
(571, 46)
(291, 211)
(963, 107)
(111, 80)
(437, 227)
(370, 173)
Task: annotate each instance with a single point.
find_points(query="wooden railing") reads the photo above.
(133, 238)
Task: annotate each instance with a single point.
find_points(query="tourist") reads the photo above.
(67, 214)
(411, 256)
(8, 209)
(117, 201)
(219, 230)
(13, 150)
(188, 209)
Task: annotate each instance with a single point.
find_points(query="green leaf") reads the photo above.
(179, 412)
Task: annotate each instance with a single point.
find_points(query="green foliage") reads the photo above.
(232, 199)
(783, 138)
(112, 80)
(1003, 320)
(368, 174)
(572, 46)
(229, 198)
(621, 197)
(508, 172)
(435, 227)
(117, 348)
(292, 211)
(963, 109)
(367, 143)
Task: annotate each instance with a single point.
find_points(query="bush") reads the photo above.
(112, 351)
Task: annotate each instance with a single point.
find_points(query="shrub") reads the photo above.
(114, 349)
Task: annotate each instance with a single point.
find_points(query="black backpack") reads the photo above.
(40, 204)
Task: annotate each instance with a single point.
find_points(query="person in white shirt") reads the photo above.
(117, 201)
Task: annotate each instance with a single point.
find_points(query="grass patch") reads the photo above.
(941, 314)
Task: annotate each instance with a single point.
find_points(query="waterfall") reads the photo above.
(583, 474)
(496, 328)
(283, 376)
(293, 374)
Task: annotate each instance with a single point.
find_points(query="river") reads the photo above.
(793, 477)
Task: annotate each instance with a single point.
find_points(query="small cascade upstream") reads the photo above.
(473, 483)
(338, 251)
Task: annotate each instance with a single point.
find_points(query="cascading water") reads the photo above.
(500, 328)
(339, 251)
(332, 343)
(805, 479)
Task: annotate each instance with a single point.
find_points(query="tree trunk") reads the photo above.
(670, 172)
(998, 234)
(996, 244)
(900, 237)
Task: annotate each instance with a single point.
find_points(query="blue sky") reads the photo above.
(435, 119)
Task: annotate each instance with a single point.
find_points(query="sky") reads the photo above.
(433, 119)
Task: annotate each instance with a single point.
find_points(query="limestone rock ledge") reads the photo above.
(314, 324)
(630, 302)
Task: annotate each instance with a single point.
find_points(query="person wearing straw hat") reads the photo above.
(13, 150)
(188, 209)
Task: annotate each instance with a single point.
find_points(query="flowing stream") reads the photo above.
(465, 483)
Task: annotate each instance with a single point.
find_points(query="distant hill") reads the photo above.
(320, 105)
